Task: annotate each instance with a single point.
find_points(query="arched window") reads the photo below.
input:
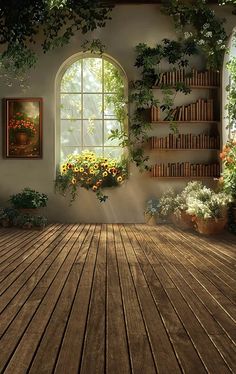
(92, 104)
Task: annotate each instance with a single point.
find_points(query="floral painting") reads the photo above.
(23, 129)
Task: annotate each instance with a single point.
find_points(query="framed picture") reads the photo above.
(23, 128)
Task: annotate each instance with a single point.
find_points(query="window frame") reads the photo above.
(70, 61)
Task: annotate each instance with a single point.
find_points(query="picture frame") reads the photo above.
(23, 128)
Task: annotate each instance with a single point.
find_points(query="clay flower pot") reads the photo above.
(183, 220)
(210, 226)
(150, 220)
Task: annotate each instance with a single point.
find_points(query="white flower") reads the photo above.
(205, 26)
(208, 34)
(188, 35)
(201, 42)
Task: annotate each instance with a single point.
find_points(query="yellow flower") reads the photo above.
(73, 180)
(105, 174)
(94, 188)
(81, 169)
(119, 179)
(91, 171)
(96, 166)
(105, 160)
(76, 169)
(106, 165)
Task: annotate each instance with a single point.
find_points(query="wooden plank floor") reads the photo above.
(117, 299)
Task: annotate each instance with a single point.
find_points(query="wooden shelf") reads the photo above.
(191, 87)
(186, 149)
(161, 122)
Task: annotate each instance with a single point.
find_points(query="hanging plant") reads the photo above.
(197, 22)
(22, 20)
(175, 53)
(92, 172)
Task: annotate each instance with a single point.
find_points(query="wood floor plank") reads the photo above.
(117, 350)
(70, 354)
(141, 357)
(190, 361)
(211, 357)
(130, 299)
(46, 355)
(48, 290)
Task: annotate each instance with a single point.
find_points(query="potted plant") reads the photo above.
(7, 216)
(209, 210)
(40, 222)
(228, 179)
(180, 216)
(151, 211)
(21, 129)
(28, 200)
(167, 205)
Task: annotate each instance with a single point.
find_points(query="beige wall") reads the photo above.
(130, 25)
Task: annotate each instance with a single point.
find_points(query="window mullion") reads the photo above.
(103, 107)
(82, 104)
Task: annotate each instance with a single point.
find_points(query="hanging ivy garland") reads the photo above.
(52, 21)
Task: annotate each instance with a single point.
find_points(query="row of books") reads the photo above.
(202, 110)
(185, 169)
(195, 78)
(186, 141)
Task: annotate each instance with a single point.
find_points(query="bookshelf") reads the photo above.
(205, 135)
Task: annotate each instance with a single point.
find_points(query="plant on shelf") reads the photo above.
(29, 199)
(151, 211)
(90, 172)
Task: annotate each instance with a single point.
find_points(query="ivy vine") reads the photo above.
(21, 21)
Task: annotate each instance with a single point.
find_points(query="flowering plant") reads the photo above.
(90, 172)
(206, 204)
(228, 156)
(152, 207)
(20, 122)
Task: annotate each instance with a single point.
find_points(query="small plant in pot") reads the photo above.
(167, 205)
(7, 216)
(151, 211)
(180, 217)
(28, 200)
(209, 210)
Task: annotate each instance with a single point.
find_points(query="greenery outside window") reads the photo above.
(92, 105)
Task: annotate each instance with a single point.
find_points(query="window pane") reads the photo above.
(92, 106)
(92, 75)
(71, 81)
(65, 151)
(97, 150)
(71, 133)
(108, 127)
(109, 106)
(70, 106)
(92, 133)
(113, 80)
(113, 152)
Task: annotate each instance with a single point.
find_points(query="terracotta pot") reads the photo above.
(21, 138)
(30, 211)
(183, 220)
(150, 220)
(210, 226)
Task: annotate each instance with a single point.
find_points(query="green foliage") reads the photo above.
(228, 156)
(231, 93)
(148, 61)
(22, 20)
(28, 199)
(207, 31)
(28, 221)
